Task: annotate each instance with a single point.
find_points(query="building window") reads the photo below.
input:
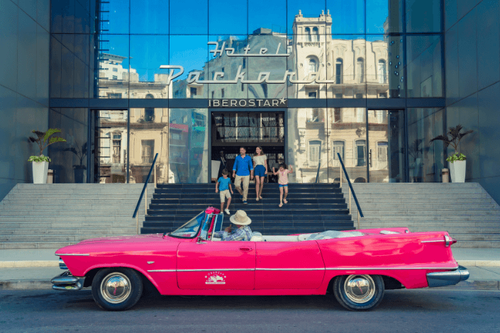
(360, 70)
(339, 71)
(115, 77)
(382, 71)
(314, 152)
(338, 147)
(382, 151)
(381, 116)
(149, 114)
(147, 151)
(382, 95)
(312, 94)
(312, 65)
(117, 147)
(308, 34)
(315, 37)
(193, 91)
(115, 69)
(360, 153)
(114, 95)
(337, 115)
(338, 96)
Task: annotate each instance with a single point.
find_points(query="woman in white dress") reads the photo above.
(260, 170)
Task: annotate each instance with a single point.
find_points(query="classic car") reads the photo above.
(356, 266)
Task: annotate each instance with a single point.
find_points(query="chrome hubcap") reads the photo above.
(116, 288)
(359, 288)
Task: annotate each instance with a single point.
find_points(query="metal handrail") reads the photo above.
(144, 189)
(317, 173)
(351, 189)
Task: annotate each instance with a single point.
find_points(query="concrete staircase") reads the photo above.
(55, 215)
(311, 208)
(466, 210)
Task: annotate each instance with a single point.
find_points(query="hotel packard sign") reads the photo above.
(195, 77)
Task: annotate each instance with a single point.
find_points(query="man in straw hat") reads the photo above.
(241, 233)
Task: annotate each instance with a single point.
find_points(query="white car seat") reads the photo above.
(257, 237)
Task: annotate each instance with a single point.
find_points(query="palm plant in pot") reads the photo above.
(457, 161)
(41, 162)
(79, 169)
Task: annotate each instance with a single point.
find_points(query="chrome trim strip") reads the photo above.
(298, 269)
(383, 268)
(290, 269)
(73, 254)
(160, 270)
(434, 241)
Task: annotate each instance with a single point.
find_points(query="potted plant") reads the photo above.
(457, 161)
(80, 153)
(41, 162)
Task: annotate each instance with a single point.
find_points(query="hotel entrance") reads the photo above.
(232, 130)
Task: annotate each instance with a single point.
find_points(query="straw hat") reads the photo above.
(240, 218)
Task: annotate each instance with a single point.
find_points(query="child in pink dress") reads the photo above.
(283, 181)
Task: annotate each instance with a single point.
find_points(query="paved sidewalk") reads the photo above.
(33, 269)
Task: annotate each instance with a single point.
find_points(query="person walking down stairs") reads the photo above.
(283, 181)
(243, 172)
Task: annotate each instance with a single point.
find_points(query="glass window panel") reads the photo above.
(425, 158)
(114, 71)
(267, 14)
(276, 67)
(147, 138)
(424, 66)
(69, 159)
(115, 17)
(148, 53)
(384, 16)
(423, 16)
(347, 17)
(149, 17)
(227, 17)
(190, 52)
(300, 12)
(188, 146)
(350, 65)
(226, 68)
(189, 17)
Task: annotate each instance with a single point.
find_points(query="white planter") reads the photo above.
(457, 171)
(40, 170)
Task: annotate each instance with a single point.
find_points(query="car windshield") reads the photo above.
(190, 228)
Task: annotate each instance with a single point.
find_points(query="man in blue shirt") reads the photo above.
(243, 172)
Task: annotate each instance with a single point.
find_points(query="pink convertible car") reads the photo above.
(356, 266)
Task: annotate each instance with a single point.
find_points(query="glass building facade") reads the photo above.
(371, 81)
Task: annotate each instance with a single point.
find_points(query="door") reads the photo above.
(216, 265)
(289, 265)
(385, 154)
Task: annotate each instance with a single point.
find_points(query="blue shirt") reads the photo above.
(243, 166)
(237, 234)
(224, 183)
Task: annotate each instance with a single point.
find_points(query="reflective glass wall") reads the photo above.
(247, 49)
(132, 56)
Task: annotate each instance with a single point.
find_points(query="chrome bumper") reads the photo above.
(449, 278)
(66, 281)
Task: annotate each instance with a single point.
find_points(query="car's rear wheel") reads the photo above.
(359, 292)
(117, 288)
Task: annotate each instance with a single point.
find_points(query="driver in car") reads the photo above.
(241, 233)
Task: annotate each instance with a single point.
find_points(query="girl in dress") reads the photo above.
(283, 181)
(260, 170)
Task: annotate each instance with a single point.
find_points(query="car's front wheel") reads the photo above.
(117, 288)
(359, 292)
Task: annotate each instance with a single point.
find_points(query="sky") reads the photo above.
(158, 32)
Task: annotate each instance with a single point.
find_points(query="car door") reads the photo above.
(216, 265)
(289, 265)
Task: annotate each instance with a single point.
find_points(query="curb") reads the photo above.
(26, 285)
